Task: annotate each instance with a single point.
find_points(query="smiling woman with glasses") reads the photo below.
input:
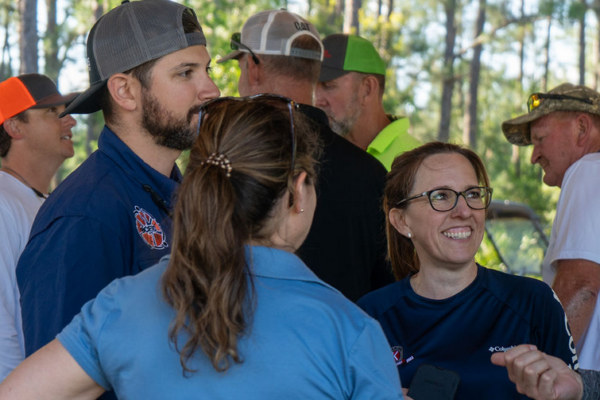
(233, 313)
(447, 310)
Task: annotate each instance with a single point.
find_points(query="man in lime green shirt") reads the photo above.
(350, 91)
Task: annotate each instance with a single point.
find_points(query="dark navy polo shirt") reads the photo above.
(98, 225)
(494, 313)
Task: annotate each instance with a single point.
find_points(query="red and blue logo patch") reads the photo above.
(149, 229)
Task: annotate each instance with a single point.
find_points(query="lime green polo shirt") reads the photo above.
(392, 141)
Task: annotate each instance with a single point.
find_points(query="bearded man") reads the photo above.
(110, 218)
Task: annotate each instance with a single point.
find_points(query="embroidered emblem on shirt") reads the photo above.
(496, 349)
(398, 353)
(149, 229)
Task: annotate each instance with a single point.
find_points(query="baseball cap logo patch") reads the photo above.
(301, 26)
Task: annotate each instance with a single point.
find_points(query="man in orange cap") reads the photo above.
(34, 142)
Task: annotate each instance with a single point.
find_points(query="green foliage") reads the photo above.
(411, 39)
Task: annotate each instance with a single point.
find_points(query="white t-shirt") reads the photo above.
(18, 207)
(576, 235)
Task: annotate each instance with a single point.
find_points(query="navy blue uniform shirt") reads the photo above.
(495, 312)
(98, 225)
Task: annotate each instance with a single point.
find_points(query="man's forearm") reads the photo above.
(577, 284)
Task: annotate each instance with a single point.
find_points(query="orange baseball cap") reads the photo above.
(23, 92)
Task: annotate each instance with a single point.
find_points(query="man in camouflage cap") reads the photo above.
(564, 127)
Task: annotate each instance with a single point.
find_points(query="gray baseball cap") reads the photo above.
(565, 97)
(129, 35)
(272, 33)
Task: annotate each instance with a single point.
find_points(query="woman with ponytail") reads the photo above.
(233, 313)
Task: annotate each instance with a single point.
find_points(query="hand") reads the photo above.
(404, 391)
(538, 375)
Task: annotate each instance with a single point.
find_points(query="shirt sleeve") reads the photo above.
(591, 384)
(61, 268)
(550, 330)
(10, 349)
(372, 370)
(574, 224)
(81, 337)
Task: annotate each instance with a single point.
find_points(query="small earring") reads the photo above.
(409, 235)
(302, 210)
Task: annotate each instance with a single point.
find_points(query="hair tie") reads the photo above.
(220, 160)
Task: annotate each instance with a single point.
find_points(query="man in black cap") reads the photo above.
(280, 52)
(110, 218)
(563, 126)
(34, 142)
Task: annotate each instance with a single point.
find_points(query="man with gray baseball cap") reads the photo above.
(563, 126)
(148, 68)
(280, 52)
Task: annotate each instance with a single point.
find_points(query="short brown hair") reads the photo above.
(5, 139)
(302, 69)
(400, 181)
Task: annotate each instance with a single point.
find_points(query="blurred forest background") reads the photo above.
(457, 68)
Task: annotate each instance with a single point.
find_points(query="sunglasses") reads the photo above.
(536, 99)
(236, 43)
(263, 98)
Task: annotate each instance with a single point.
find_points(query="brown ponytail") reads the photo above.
(216, 215)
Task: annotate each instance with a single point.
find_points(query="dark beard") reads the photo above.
(167, 130)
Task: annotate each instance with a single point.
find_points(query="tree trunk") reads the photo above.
(470, 126)
(28, 38)
(92, 119)
(582, 46)
(448, 72)
(516, 152)
(6, 66)
(547, 57)
(351, 16)
(52, 65)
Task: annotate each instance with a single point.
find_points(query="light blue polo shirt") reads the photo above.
(305, 341)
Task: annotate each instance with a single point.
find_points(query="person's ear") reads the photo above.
(301, 193)
(12, 126)
(369, 89)
(397, 218)
(255, 71)
(584, 129)
(125, 91)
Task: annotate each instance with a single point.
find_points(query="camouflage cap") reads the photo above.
(517, 130)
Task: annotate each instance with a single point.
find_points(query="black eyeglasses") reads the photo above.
(236, 43)
(263, 97)
(477, 198)
(536, 99)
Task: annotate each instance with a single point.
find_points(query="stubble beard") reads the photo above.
(344, 125)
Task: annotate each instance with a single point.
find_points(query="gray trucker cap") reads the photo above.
(127, 36)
